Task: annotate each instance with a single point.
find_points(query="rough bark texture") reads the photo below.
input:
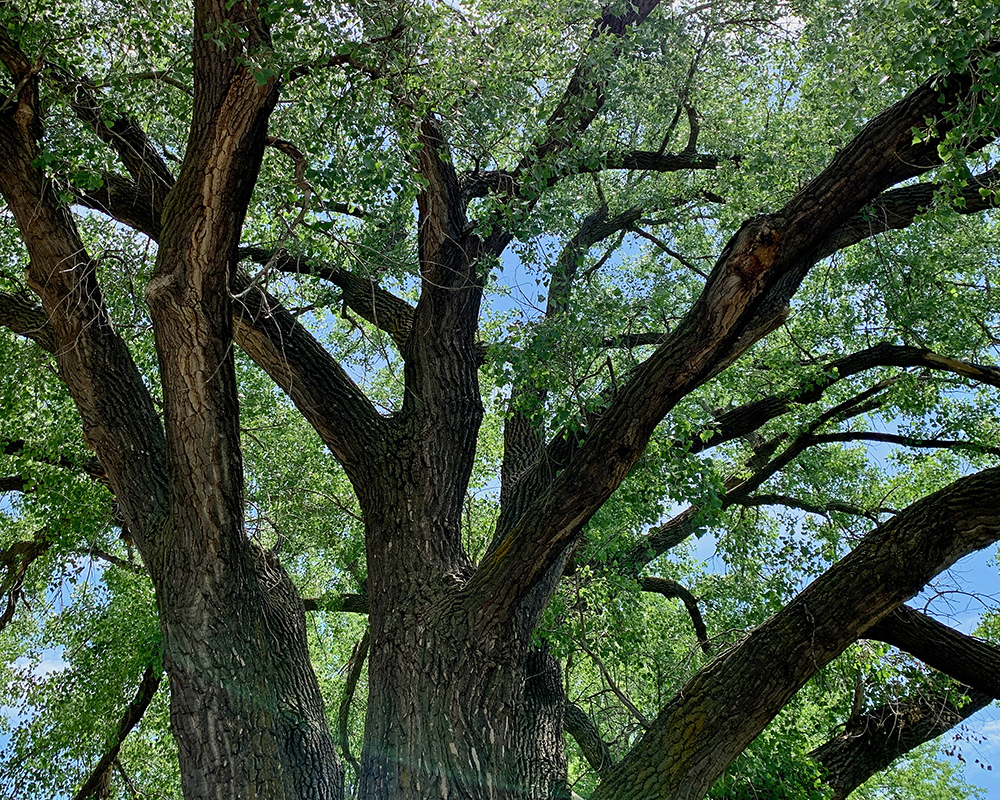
(877, 738)
(461, 704)
(697, 734)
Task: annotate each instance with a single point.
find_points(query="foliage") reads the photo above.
(772, 89)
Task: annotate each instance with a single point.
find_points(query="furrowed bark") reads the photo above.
(233, 626)
(744, 298)
(884, 734)
(725, 705)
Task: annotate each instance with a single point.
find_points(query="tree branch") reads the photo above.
(148, 685)
(965, 658)
(580, 726)
(745, 297)
(669, 588)
(349, 603)
(880, 736)
(15, 560)
(324, 393)
(365, 297)
(354, 668)
(26, 319)
(730, 701)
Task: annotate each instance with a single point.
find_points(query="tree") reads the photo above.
(227, 177)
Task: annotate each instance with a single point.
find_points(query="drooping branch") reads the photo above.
(880, 736)
(148, 686)
(730, 701)
(669, 588)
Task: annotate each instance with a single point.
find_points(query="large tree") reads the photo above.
(757, 242)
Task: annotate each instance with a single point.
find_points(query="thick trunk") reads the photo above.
(245, 706)
(454, 712)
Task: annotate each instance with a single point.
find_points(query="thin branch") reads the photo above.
(906, 441)
(669, 251)
(625, 701)
(669, 588)
(148, 685)
(354, 668)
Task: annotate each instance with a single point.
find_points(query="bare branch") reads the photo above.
(354, 668)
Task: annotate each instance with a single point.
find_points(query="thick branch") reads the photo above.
(729, 702)
(876, 739)
(579, 725)
(330, 401)
(898, 208)
(507, 183)
(119, 420)
(751, 416)
(966, 659)
(26, 319)
(745, 297)
(363, 296)
(350, 603)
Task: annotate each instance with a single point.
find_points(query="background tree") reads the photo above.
(459, 323)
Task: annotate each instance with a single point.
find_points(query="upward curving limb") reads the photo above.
(745, 296)
(726, 704)
(119, 420)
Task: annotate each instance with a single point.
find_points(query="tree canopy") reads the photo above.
(380, 377)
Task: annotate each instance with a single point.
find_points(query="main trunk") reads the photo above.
(459, 705)
(456, 710)
(244, 703)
